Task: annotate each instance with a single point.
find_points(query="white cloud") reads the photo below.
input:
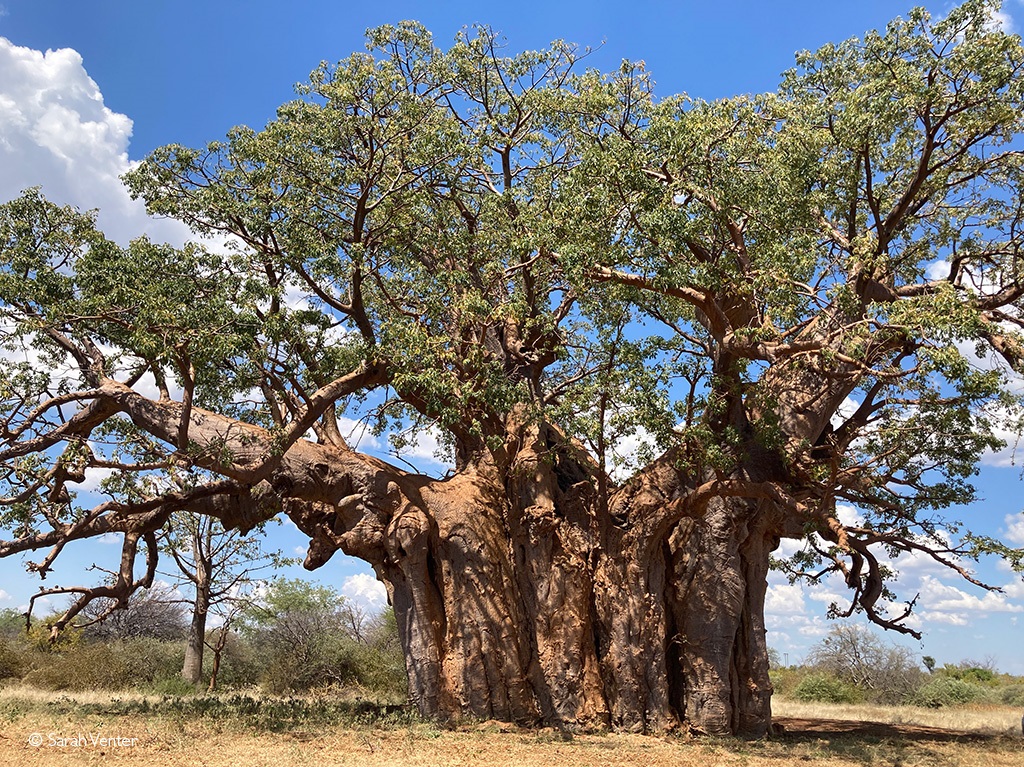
(4, 596)
(1001, 21)
(937, 270)
(830, 597)
(788, 547)
(1014, 528)
(1014, 589)
(787, 599)
(848, 515)
(626, 451)
(940, 598)
(846, 408)
(425, 447)
(952, 619)
(93, 478)
(56, 132)
(365, 591)
(357, 434)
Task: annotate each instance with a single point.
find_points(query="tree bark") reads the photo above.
(192, 669)
(517, 598)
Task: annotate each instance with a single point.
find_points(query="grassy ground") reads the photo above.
(239, 731)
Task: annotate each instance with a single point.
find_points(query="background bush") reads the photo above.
(825, 688)
(113, 665)
(946, 691)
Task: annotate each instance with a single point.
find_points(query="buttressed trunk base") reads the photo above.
(524, 601)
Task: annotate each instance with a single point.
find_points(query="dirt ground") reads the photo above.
(137, 740)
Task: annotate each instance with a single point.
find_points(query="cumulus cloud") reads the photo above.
(357, 434)
(786, 599)
(56, 132)
(848, 515)
(4, 596)
(949, 604)
(365, 591)
(426, 450)
(1015, 528)
(1001, 21)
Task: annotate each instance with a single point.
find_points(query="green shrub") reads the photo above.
(115, 665)
(174, 685)
(1012, 695)
(240, 663)
(14, 662)
(947, 691)
(824, 688)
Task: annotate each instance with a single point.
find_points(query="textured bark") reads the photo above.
(519, 598)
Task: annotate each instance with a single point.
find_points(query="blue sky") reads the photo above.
(88, 87)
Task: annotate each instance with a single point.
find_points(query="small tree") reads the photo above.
(886, 672)
(155, 613)
(311, 636)
(220, 565)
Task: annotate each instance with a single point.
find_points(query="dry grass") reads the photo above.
(994, 720)
(168, 738)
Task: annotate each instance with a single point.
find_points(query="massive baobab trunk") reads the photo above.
(521, 596)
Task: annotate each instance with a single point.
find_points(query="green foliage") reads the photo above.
(1012, 695)
(14, 663)
(114, 665)
(251, 712)
(825, 688)
(309, 638)
(968, 672)
(882, 672)
(945, 691)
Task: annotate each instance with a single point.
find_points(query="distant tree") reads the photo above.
(220, 566)
(929, 663)
(156, 613)
(886, 672)
(12, 622)
(306, 633)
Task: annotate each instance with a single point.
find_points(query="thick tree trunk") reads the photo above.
(521, 600)
(716, 589)
(519, 593)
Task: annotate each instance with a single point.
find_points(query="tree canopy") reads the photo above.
(797, 299)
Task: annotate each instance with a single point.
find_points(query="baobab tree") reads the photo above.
(788, 292)
(219, 568)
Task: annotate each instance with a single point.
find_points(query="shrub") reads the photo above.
(309, 638)
(825, 688)
(1013, 695)
(946, 691)
(115, 665)
(14, 662)
(885, 673)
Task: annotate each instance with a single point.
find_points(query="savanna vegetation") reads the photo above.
(296, 638)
